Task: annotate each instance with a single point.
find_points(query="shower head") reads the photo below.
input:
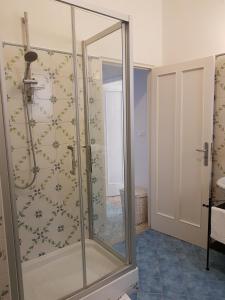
(30, 56)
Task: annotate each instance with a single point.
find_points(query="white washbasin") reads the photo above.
(221, 183)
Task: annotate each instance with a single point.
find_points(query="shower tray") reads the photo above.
(59, 273)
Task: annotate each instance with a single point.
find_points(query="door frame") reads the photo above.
(148, 68)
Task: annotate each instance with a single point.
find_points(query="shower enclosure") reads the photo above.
(67, 237)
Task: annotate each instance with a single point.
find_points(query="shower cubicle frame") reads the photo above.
(9, 205)
(117, 26)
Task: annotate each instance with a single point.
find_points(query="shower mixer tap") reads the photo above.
(29, 86)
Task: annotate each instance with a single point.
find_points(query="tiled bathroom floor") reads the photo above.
(170, 269)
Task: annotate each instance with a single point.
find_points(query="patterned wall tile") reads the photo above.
(42, 111)
(219, 128)
(19, 134)
(4, 278)
(49, 210)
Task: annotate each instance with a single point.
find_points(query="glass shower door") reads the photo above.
(105, 138)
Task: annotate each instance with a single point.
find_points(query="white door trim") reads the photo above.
(148, 131)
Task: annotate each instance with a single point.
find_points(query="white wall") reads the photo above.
(140, 128)
(50, 24)
(192, 29)
(146, 28)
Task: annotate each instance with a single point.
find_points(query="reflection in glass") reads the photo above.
(106, 133)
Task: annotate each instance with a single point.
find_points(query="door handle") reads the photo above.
(201, 150)
(73, 167)
(206, 153)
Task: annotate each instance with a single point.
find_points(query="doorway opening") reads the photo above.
(141, 145)
(114, 169)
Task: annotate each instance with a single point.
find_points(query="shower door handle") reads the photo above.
(71, 148)
(206, 153)
(90, 158)
(89, 155)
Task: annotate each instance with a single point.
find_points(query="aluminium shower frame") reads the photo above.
(85, 57)
(9, 201)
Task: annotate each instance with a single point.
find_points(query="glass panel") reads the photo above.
(41, 113)
(103, 108)
(106, 135)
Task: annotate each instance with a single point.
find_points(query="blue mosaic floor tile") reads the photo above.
(174, 296)
(171, 269)
(149, 296)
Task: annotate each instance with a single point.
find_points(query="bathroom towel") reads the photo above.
(218, 224)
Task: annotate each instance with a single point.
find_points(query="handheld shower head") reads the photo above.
(30, 56)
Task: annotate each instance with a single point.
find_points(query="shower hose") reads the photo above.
(27, 185)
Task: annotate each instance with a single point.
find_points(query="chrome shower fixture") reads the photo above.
(29, 55)
(28, 92)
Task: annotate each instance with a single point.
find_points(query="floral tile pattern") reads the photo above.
(219, 128)
(4, 279)
(49, 210)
